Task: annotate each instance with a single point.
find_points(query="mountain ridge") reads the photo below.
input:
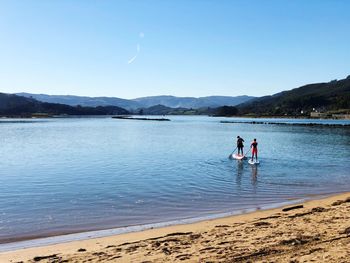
(141, 102)
(329, 96)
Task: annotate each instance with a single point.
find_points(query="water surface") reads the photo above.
(69, 175)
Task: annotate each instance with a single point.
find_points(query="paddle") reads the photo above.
(230, 156)
(247, 152)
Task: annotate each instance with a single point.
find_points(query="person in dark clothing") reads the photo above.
(254, 147)
(240, 145)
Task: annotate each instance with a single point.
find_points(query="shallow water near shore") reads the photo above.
(80, 174)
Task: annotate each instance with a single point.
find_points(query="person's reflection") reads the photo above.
(254, 175)
(239, 173)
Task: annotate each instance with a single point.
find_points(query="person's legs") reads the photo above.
(254, 153)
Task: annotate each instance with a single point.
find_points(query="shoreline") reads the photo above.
(66, 237)
(69, 249)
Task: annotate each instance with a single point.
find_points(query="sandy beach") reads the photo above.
(314, 231)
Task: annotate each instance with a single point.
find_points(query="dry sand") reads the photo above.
(317, 232)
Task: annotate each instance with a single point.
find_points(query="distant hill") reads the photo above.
(145, 102)
(83, 101)
(191, 102)
(330, 96)
(13, 105)
(161, 110)
(164, 110)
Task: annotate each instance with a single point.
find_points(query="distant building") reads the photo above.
(341, 116)
(315, 114)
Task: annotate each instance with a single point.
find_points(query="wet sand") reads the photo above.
(314, 231)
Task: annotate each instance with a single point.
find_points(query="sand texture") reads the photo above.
(316, 231)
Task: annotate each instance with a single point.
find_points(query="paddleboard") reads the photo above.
(238, 156)
(253, 162)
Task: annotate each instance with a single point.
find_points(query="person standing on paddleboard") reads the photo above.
(240, 145)
(254, 147)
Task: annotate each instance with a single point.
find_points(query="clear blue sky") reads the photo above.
(180, 47)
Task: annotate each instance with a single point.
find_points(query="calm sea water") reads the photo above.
(68, 175)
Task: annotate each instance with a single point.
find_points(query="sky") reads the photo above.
(197, 48)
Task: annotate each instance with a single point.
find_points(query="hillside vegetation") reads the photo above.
(331, 96)
(13, 105)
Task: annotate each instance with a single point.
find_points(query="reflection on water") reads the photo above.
(239, 173)
(248, 170)
(254, 175)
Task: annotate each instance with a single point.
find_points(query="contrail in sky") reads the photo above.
(138, 49)
(134, 57)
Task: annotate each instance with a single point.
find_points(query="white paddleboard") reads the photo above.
(253, 162)
(238, 156)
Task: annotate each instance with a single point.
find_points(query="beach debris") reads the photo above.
(346, 231)
(292, 208)
(269, 217)
(300, 214)
(318, 209)
(99, 254)
(260, 253)
(195, 236)
(338, 202)
(183, 256)
(133, 248)
(300, 240)
(114, 257)
(156, 244)
(166, 251)
(110, 246)
(81, 250)
(39, 258)
(222, 226)
(262, 223)
(178, 234)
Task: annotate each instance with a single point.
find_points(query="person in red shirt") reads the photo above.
(254, 147)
